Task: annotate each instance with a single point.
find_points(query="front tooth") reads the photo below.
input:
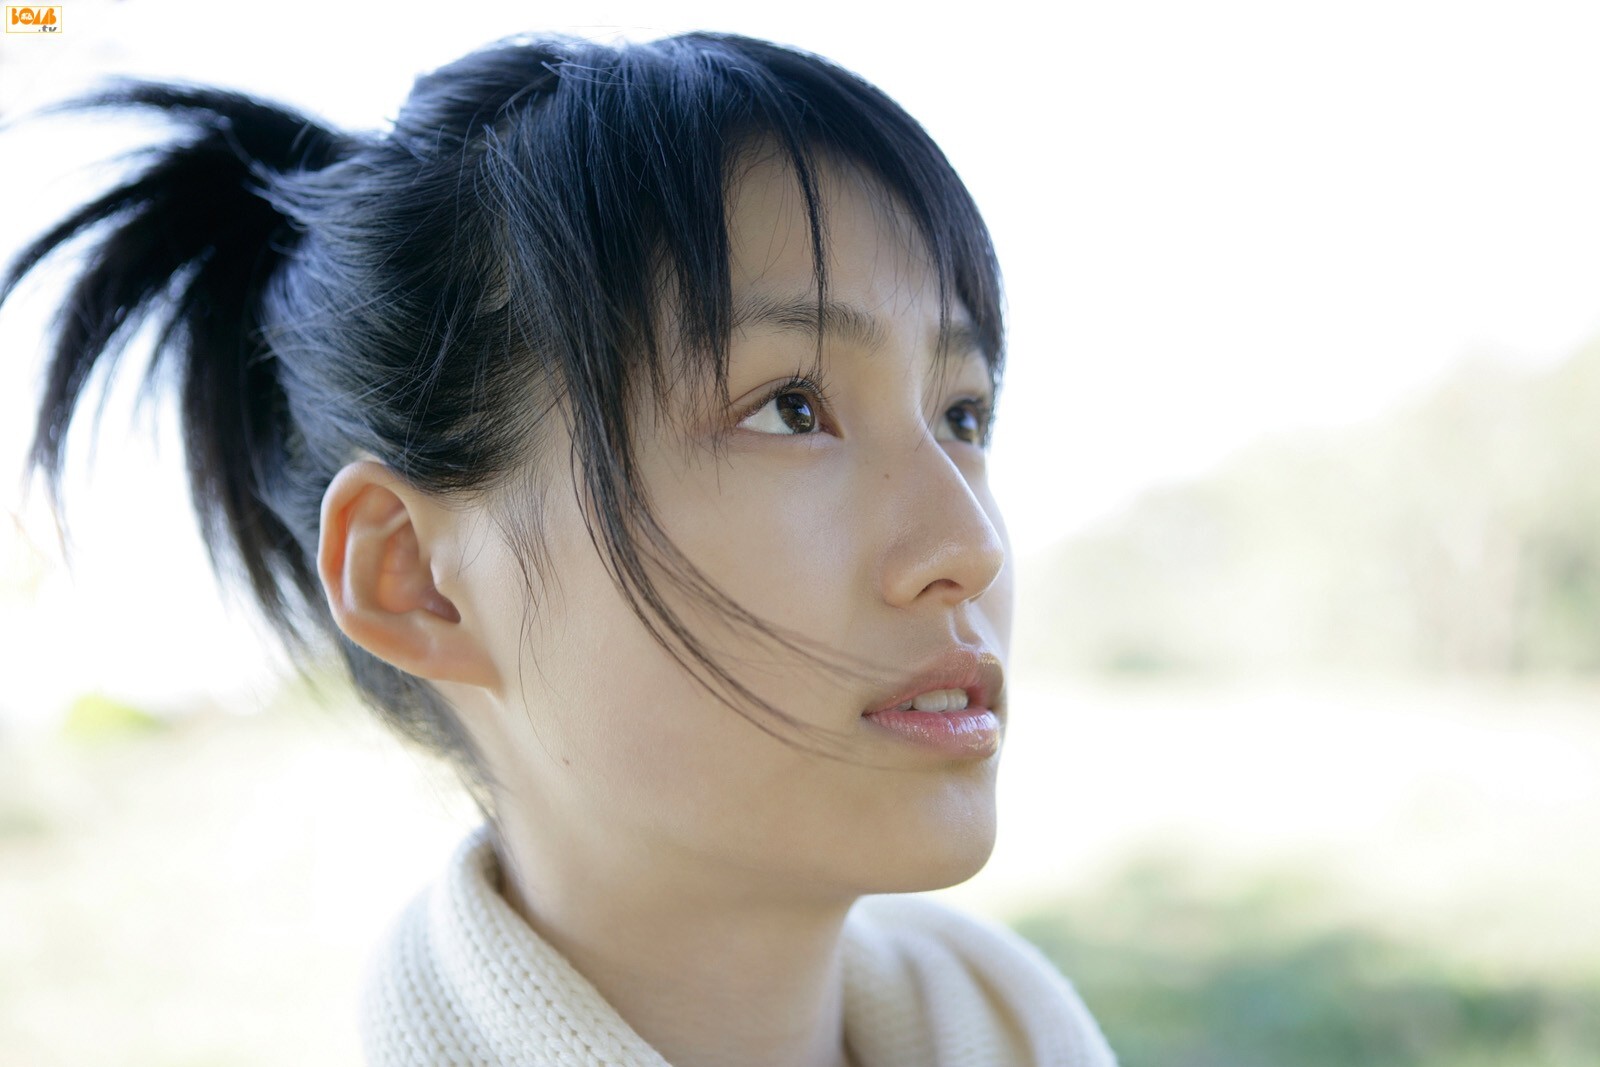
(941, 700)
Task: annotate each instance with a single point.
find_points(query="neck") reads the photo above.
(704, 975)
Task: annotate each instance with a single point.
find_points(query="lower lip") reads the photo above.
(972, 733)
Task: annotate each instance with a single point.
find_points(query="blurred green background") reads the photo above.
(1447, 555)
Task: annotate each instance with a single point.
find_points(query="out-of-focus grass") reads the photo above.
(1180, 976)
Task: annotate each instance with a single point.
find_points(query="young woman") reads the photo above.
(621, 416)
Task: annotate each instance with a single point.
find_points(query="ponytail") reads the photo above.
(193, 238)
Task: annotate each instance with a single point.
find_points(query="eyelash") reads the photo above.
(799, 383)
(796, 384)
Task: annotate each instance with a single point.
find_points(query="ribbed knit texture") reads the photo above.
(463, 980)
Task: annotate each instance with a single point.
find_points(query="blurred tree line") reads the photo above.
(1458, 535)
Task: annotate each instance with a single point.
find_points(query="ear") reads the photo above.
(376, 557)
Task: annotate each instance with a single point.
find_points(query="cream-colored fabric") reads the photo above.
(462, 979)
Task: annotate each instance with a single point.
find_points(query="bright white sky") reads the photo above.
(1217, 221)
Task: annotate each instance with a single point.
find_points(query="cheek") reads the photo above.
(784, 547)
(631, 743)
(608, 730)
(616, 723)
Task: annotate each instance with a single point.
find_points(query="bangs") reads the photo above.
(613, 186)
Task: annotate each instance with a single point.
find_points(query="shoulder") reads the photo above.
(993, 949)
(957, 968)
(461, 978)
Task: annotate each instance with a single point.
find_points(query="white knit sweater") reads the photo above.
(462, 979)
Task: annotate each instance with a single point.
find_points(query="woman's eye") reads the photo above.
(789, 413)
(969, 421)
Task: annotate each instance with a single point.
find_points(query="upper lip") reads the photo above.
(976, 670)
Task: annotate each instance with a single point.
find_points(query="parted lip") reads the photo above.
(972, 668)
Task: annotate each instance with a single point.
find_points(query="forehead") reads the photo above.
(879, 277)
(865, 237)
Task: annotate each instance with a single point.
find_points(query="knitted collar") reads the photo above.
(463, 979)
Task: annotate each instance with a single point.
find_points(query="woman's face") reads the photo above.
(863, 521)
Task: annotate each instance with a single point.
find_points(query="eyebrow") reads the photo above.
(842, 320)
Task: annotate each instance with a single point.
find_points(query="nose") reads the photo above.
(942, 545)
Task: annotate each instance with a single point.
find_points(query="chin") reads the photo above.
(949, 839)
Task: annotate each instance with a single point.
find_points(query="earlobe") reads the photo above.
(375, 558)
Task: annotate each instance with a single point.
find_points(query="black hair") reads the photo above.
(428, 295)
